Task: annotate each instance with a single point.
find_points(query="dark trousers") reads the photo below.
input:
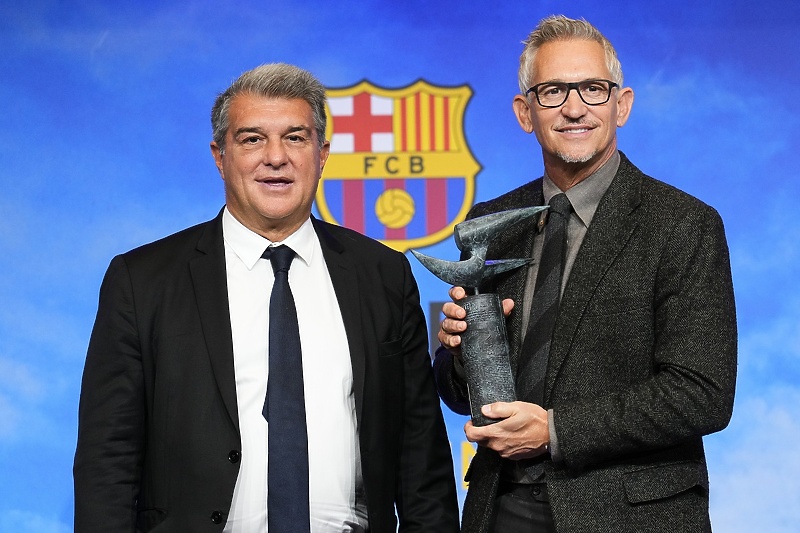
(522, 508)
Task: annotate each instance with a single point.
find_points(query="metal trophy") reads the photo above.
(484, 344)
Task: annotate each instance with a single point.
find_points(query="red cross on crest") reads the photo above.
(363, 123)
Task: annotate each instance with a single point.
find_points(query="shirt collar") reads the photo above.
(249, 246)
(586, 195)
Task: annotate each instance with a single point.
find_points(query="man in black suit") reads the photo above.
(642, 354)
(173, 431)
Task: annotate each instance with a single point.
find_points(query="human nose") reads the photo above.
(274, 154)
(574, 106)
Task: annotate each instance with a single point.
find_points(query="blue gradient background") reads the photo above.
(104, 146)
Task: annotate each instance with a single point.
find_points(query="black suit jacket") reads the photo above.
(642, 362)
(158, 437)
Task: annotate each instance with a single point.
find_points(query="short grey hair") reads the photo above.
(273, 80)
(561, 28)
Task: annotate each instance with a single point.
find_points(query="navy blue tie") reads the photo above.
(284, 407)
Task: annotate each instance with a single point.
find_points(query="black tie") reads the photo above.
(284, 407)
(532, 365)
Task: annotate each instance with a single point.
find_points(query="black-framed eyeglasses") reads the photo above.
(555, 93)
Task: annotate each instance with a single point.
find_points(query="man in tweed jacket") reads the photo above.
(642, 361)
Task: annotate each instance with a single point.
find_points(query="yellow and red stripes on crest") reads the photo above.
(422, 123)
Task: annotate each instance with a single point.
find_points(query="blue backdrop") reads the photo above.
(104, 146)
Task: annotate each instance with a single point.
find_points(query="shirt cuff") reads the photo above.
(458, 366)
(555, 451)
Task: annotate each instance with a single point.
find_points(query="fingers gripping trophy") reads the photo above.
(484, 344)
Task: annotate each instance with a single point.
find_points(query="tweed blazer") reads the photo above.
(642, 362)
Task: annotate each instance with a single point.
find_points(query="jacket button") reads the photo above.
(216, 517)
(234, 456)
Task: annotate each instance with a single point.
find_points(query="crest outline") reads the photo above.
(418, 136)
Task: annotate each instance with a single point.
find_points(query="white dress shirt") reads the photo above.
(333, 452)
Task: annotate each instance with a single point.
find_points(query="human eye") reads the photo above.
(250, 140)
(552, 89)
(297, 136)
(594, 87)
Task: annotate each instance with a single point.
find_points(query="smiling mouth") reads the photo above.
(575, 127)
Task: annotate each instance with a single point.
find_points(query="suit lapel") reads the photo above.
(611, 229)
(211, 293)
(344, 278)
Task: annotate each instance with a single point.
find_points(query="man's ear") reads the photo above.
(522, 110)
(324, 152)
(624, 105)
(217, 152)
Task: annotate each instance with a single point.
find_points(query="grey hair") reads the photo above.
(273, 80)
(561, 28)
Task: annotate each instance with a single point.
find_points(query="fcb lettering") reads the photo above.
(394, 165)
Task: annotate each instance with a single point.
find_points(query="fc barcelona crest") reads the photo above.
(400, 170)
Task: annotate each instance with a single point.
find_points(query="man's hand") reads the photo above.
(522, 432)
(453, 324)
